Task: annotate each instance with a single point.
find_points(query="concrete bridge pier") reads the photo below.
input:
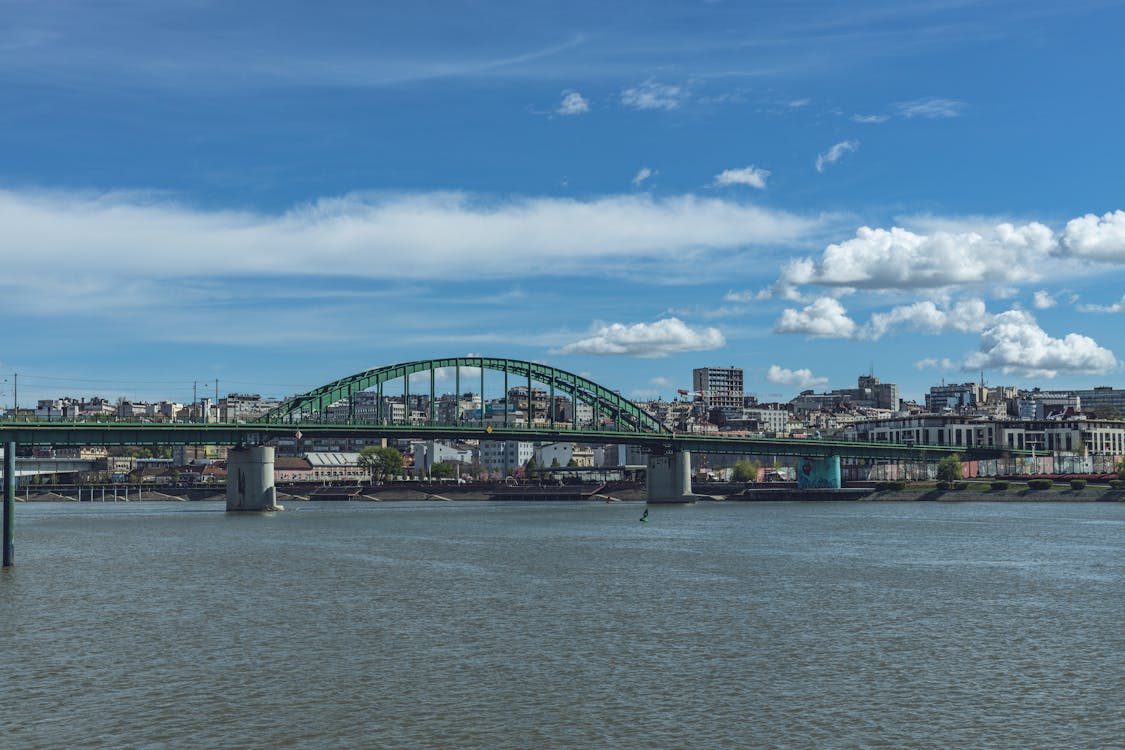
(668, 479)
(250, 479)
(820, 473)
(9, 503)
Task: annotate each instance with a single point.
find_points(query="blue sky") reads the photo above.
(278, 194)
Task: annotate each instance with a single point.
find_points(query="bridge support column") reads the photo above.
(821, 473)
(9, 503)
(668, 479)
(250, 478)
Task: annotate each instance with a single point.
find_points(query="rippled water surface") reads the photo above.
(476, 625)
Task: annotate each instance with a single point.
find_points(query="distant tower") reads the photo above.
(721, 387)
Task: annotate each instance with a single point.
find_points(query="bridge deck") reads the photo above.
(138, 433)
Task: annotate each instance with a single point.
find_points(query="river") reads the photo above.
(565, 625)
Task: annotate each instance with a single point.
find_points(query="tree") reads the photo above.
(572, 462)
(381, 462)
(949, 469)
(1107, 411)
(745, 470)
(443, 470)
(555, 463)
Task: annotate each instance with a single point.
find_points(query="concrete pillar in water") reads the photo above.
(818, 473)
(250, 478)
(9, 504)
(668, 479)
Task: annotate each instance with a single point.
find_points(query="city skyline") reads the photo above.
(276, 198)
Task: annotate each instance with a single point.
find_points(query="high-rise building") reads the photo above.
(720, 387)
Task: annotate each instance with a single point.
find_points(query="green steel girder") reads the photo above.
(312, 405)
(133, 433)
(305, 414)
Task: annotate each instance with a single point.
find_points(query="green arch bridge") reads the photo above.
(337, 409)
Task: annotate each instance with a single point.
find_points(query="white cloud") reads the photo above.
(1042, 300)
(659, 339)
(1096, 238)
(642, 174)
(798, 103)
(832, 155)
(118, 238)
(573, 103)
(927, 317)
(933, 362)
(752, 176)
(661, 382)
(870, 119)
(1117, 307)
(825, 317)
(653, 95)
(931, 109)
(800, 379)
(747, 295)
(1015, 344)
(900, 259)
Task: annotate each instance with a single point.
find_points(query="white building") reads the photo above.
(505, 455)
(1072, 435)
(554, 454)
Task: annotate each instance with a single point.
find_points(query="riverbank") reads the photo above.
(1015, 492)
(974, 492)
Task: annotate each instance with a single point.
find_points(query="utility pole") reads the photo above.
(194, 395)
(15, 392)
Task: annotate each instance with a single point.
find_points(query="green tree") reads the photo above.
(443, 470)
(381, 462)
(555, 463)
(1107, 411)
(949, 469)
(532, 464)
(1121, 469)
(745, 470)
(572, 462)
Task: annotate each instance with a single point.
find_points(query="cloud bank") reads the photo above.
(123, 236)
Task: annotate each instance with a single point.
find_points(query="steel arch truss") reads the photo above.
(624, 414)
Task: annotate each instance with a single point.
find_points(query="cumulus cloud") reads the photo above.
(573, 103)
(800, 379)
(642, 174)
(927, 317)
(824, 318)
(659, 339)
(832, 155)
(900, 259)
(1096, 238)
(1042, 300)
(931, 109)
(653, 95)
(120, 237)
(752, 176)
(1015, 344)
